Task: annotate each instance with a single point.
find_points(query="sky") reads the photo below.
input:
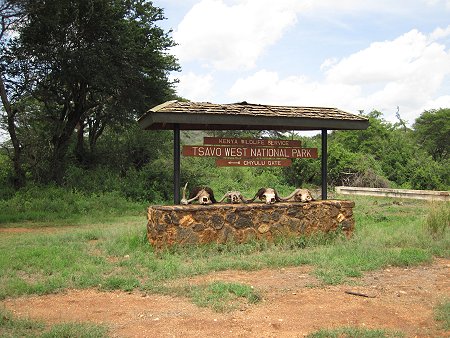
(386, 55)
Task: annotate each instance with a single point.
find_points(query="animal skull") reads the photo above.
(267, 195)
(204, 195)
(299, 195)
(233, 197)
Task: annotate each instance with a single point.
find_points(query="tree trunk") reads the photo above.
(62, 141)
(19, 173)
(79, 148)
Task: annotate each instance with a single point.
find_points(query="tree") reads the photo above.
(432, 131)
(90, 62)
(11, 16)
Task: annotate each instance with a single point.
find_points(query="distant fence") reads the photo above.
(400, 193)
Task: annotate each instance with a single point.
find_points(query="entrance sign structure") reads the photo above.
(178, 115)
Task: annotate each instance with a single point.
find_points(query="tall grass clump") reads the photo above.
(437, 221)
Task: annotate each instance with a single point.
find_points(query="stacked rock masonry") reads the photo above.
(221, 223)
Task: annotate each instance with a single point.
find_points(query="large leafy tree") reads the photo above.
(89, 62)
(432, 130)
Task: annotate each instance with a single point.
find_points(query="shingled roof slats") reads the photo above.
(208, 116)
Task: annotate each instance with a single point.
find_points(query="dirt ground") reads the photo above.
(399, 299)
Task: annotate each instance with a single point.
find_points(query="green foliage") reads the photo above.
(87, 65)
(304, 172)
(385, 155)
(432, 131)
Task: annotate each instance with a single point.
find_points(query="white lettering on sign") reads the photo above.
(227, 141)
(252, 142)
(253, 163)
(235, 152)
(268, 152)
(208, 151)
(249, 152)
(277, 143)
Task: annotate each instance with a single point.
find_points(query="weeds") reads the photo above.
(223, 297)
(437, 221)
(442, 314)
(14, 327)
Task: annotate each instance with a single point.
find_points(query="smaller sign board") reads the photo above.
(239, 162)
(249, 142)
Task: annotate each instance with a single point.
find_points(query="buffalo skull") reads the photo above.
(233, 197)
(204, 195)
(267, 195)
(299, 195)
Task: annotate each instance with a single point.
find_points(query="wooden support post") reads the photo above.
(324, 164)
(176, 164)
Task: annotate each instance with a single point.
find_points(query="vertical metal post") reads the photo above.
(176, 163)
(324, 159)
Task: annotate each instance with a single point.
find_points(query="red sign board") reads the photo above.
(249, 152)
(249, 142)
(222, 162)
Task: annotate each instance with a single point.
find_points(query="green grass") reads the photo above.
(117, 256)
(14, 327)
(223, 297)
(57, 206)
(355, 333)
(442, 314)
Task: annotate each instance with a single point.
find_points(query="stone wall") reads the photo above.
(220, 223)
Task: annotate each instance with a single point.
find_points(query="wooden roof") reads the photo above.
(246, 116)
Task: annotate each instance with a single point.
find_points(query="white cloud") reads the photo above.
(437, 103)
(232, 36)
(437, 2)
(407, 72)
(266, 87)
(195, 87)
(401, 59)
